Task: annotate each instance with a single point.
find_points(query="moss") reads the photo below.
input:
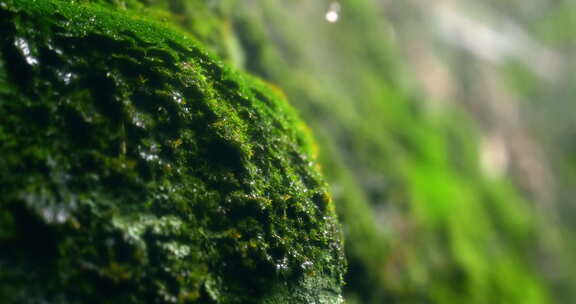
(418, 213)
(137, 168)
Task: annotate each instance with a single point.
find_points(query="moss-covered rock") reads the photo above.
(136, 168)
(423, 223)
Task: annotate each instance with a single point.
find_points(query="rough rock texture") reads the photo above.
(135, 168)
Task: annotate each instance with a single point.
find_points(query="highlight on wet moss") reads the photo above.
(136, 168)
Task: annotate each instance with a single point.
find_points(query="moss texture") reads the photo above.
(423, 224)
(136, 168)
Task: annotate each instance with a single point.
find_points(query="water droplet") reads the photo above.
(178, 250)
(307, 265)
(177, 96)
(24, 47)
(149, 154)
(333, 13)
(138, 120)
(282, 265)
(55, 214)
(65, 77)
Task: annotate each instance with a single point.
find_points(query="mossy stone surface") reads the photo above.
(136, 168)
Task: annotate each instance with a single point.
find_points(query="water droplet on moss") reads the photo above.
(138, 120)
(150, 154)
(177, 97)
(177, 250)
(25, 49)
(55, 214)
(65, 77)
(282, 265)
(307, 265)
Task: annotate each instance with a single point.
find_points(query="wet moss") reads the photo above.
(137, 168)
(417, 210)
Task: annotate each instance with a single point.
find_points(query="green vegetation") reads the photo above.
(136, 168)
(153, 171)
(423, 223)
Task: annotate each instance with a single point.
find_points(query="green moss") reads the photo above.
(422, 222)
(137, 168)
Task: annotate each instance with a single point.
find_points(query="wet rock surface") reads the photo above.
(136, 168)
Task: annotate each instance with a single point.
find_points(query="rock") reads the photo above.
(137, 168)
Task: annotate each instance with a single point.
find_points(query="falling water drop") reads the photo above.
(333, 13)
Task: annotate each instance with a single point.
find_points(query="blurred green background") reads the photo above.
(445, 129)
